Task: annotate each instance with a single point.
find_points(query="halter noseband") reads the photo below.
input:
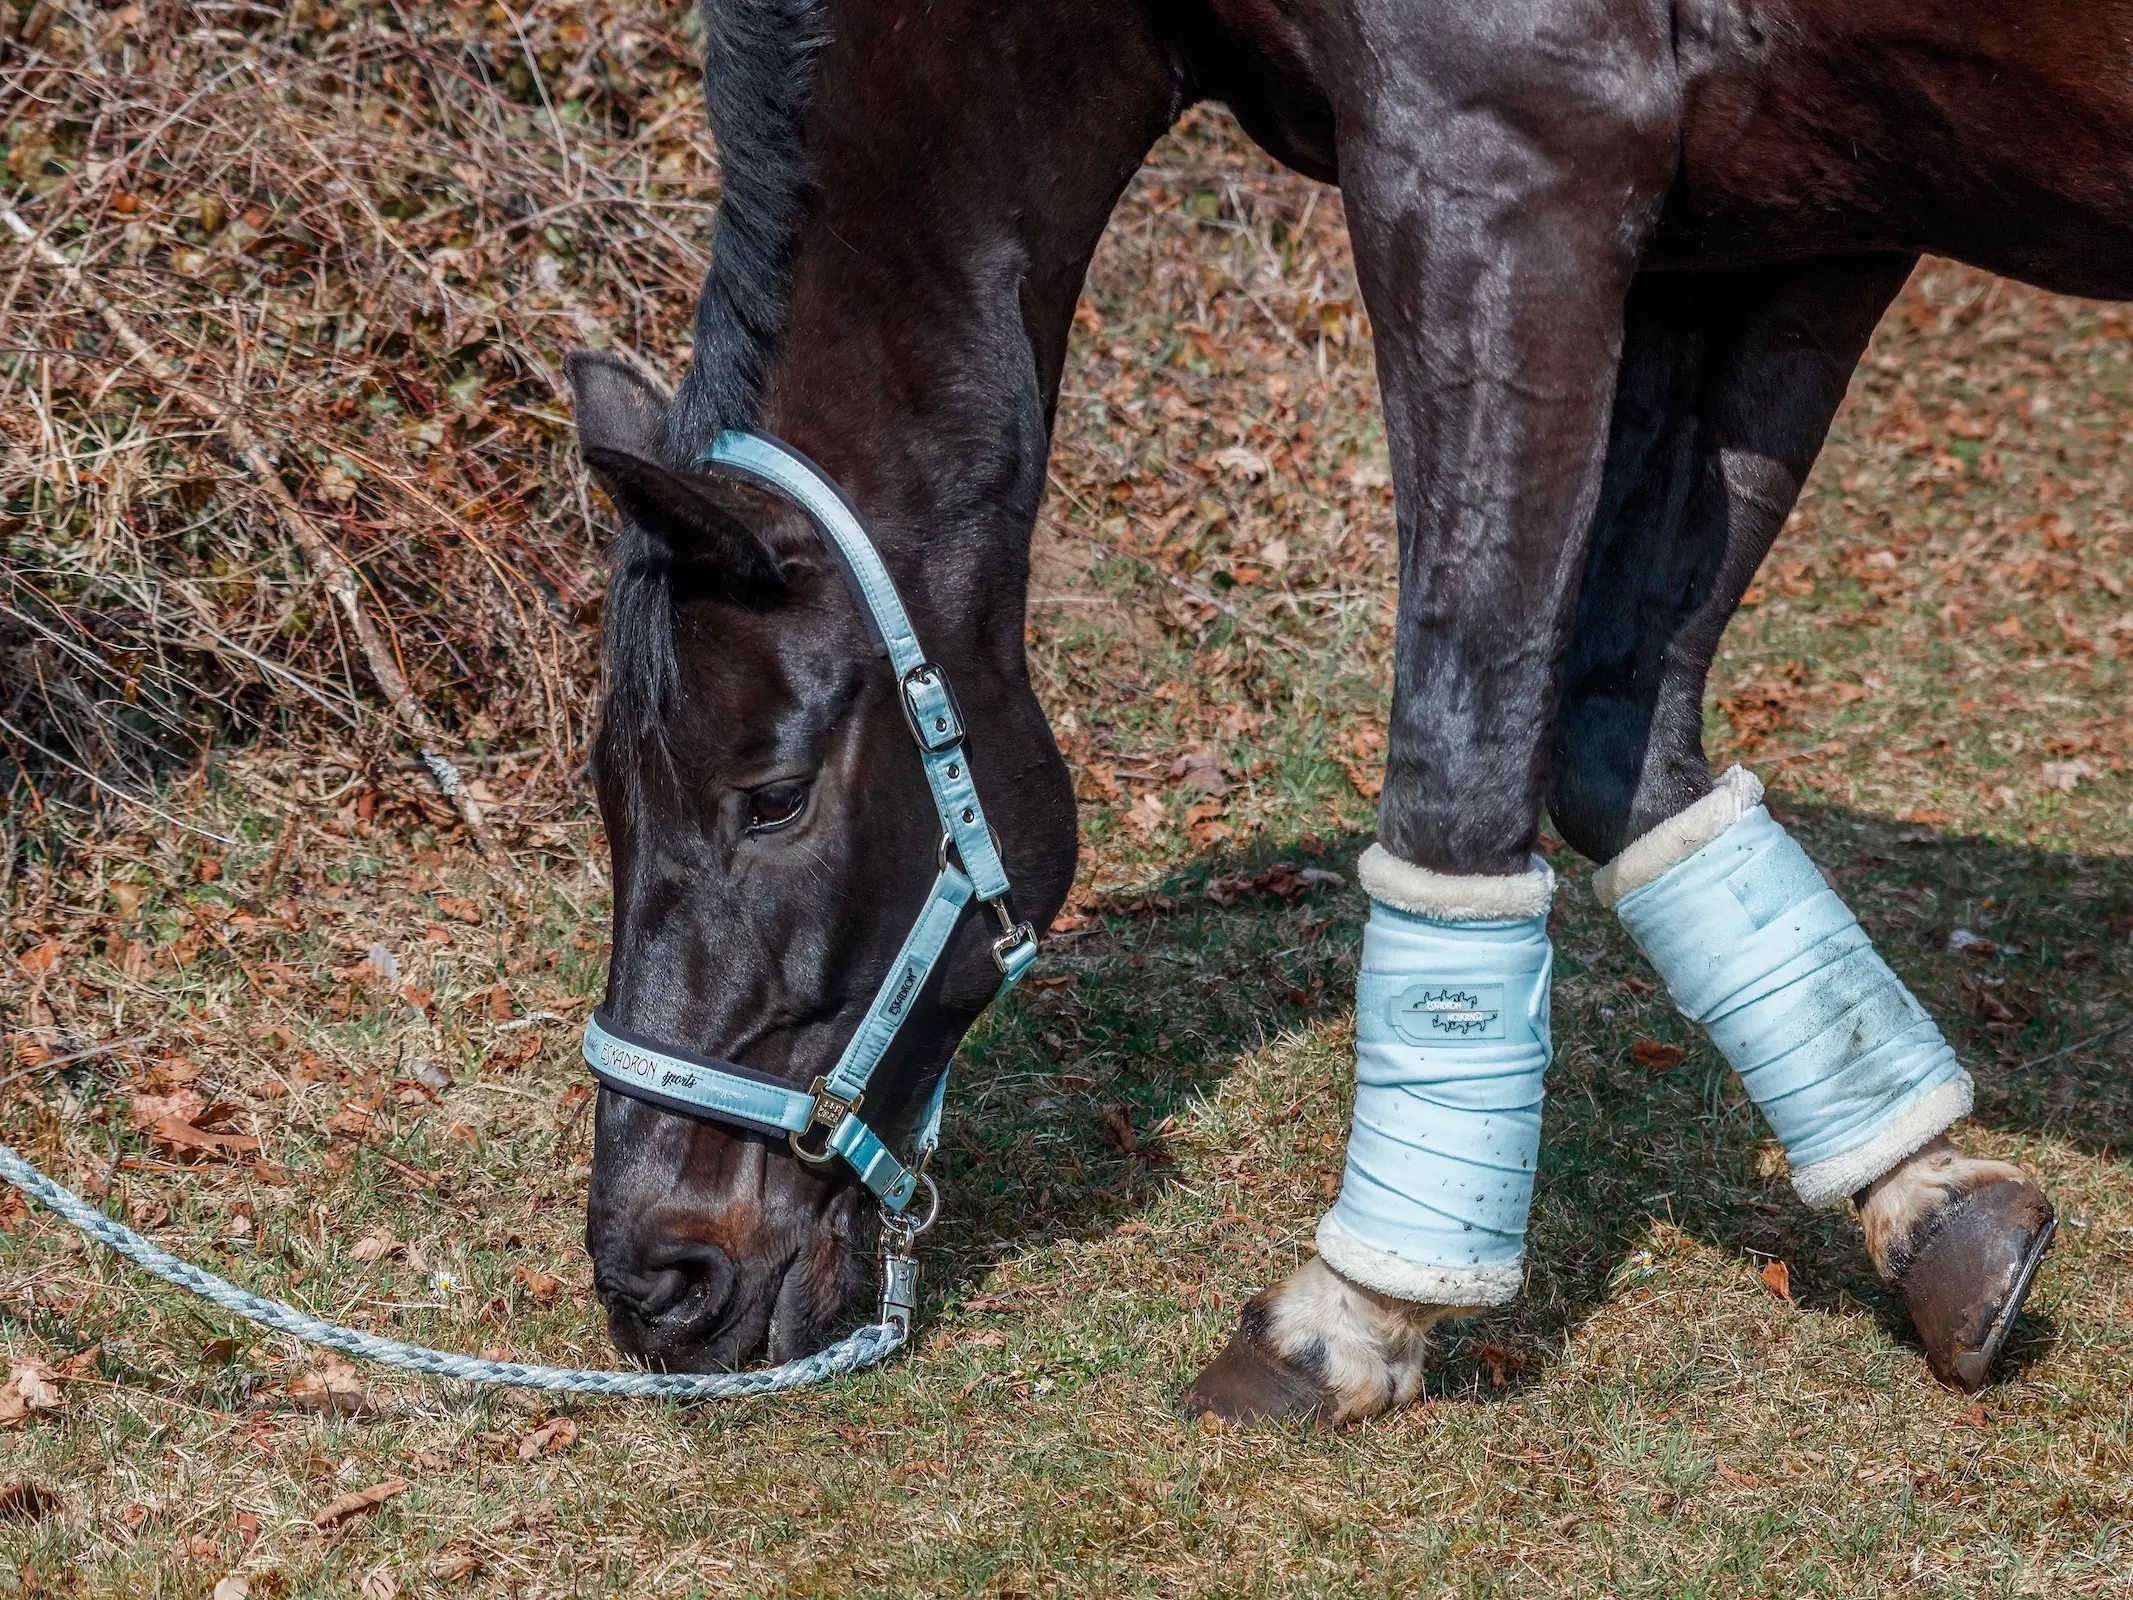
(725, 1091)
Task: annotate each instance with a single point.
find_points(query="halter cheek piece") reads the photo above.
(725, 1091)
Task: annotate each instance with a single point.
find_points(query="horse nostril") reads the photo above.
(688, 1283)
(664, 1289)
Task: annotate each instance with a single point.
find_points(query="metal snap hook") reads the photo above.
(1013, 935)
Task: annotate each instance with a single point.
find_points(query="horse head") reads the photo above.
(773, 838)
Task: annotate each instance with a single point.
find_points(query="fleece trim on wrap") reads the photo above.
(1755, 945)
(1673, 841)
(1451, 1049)
(1448, 897)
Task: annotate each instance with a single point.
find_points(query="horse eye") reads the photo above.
(774, 805)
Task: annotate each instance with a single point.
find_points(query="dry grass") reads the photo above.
(372, 233)
(1933, 678)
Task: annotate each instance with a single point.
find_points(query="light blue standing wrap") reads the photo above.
(1757, 947)
(1451, 1024)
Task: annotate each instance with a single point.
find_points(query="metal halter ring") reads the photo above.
(902, 1223)
(948, 844)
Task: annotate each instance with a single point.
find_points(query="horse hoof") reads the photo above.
(1970, 1271)
(1245, 1383)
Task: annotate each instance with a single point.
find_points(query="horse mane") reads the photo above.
(758, 80)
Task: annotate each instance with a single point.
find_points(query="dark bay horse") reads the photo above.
(1620, 257)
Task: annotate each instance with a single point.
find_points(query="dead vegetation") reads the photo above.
(364, 236)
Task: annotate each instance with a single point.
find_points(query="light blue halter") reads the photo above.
(725, 1091)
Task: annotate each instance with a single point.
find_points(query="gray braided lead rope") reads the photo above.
(866, 1347)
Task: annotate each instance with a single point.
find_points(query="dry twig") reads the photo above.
(327, 563)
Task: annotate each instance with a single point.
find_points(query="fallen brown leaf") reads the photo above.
(458, 1564)
(1097, 781)
(352, 1121)
(1500, 1359)
(356, 1503)
(376, 1247)
(515, 1050)
(1976, 1417)
(45, 956)
(146, 1110)
(1200, 770)
(335, 1388)
(30, 1389)
(1367, 784)
(173, 1134)
(1658, 1057)
(1739, 1480)
(550, 1438)
(1777, 1278)
(1118, 1130)
(538, 1284)
(26, 1501)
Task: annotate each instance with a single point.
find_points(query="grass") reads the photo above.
(1931, 677)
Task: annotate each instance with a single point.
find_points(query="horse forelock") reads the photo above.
(639, 646)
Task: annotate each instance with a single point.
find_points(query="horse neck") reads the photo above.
(967, 155)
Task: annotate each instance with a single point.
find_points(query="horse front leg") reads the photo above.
(1499, 186)
(1727, 389)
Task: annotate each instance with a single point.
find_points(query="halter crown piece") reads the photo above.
(726, 1091)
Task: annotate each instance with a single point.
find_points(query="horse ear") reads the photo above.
(617, 408)
(699, 517)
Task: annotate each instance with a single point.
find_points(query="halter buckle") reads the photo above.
(828, 1111)
(931, 710)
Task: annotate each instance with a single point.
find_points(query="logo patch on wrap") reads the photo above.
(1447, 1013)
